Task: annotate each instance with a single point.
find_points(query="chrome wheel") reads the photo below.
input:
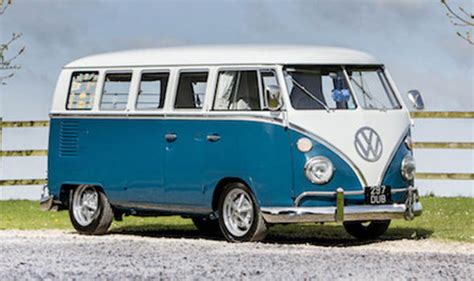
(85, 205)
(238, 212)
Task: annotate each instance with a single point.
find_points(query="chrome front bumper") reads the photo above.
(340, 213)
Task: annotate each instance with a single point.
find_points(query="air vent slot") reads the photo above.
(69, 138)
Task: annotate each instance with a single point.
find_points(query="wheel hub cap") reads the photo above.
(238, 212)
(85, 205)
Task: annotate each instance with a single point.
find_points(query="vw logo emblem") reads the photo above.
(368, 144)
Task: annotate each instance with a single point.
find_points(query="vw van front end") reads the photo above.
(351, 145)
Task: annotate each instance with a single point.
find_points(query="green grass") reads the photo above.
(26, 215)
(443, 218)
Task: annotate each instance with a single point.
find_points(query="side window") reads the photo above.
(237, 90)
(82, 90)
(191, 90)
(115, 92)
(152, 90)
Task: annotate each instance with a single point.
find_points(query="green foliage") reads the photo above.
(447, 218)
(442, 218)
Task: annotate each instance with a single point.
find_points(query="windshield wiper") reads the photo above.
(367, 94)
(309, 94)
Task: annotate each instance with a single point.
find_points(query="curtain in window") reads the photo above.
(224, 89)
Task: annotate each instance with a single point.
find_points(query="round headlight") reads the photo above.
(408, 167)
(319, 170)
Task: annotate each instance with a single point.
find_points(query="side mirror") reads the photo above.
(273, 96)
(416, 99)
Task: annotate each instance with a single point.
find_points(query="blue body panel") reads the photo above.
(119, 155)
(393, 176)
(132, 161)
(344, 176)
(134, 164)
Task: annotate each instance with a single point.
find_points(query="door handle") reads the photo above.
(171, 137)
(213, 137)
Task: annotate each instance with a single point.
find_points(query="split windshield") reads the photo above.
(328, 88)
(372, 89)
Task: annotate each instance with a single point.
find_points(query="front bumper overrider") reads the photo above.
(341, 213)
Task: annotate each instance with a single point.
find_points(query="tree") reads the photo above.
(6, 62)
(461, 19)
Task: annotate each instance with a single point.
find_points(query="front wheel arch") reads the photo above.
(222, 184)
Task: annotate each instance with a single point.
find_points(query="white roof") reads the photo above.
(234, 54)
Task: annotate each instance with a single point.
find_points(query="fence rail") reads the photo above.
(444, 145)
(23, 124)
(23, 153)
(23, 182)
(418, 145)
(442, 114)
(444, 176)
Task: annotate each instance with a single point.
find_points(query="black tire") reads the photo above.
(207, 226)
(258, 228)
(363, 231)
(102, 218)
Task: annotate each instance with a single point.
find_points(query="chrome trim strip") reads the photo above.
(166, 116)
(297, 215)
(398, 190)
(323, 194)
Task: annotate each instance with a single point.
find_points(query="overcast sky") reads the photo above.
(413, 38)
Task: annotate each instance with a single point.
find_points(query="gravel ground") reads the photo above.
(58, 255)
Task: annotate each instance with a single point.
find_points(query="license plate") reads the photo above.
(377, 195)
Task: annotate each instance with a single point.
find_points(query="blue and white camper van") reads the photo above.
(237, 138)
